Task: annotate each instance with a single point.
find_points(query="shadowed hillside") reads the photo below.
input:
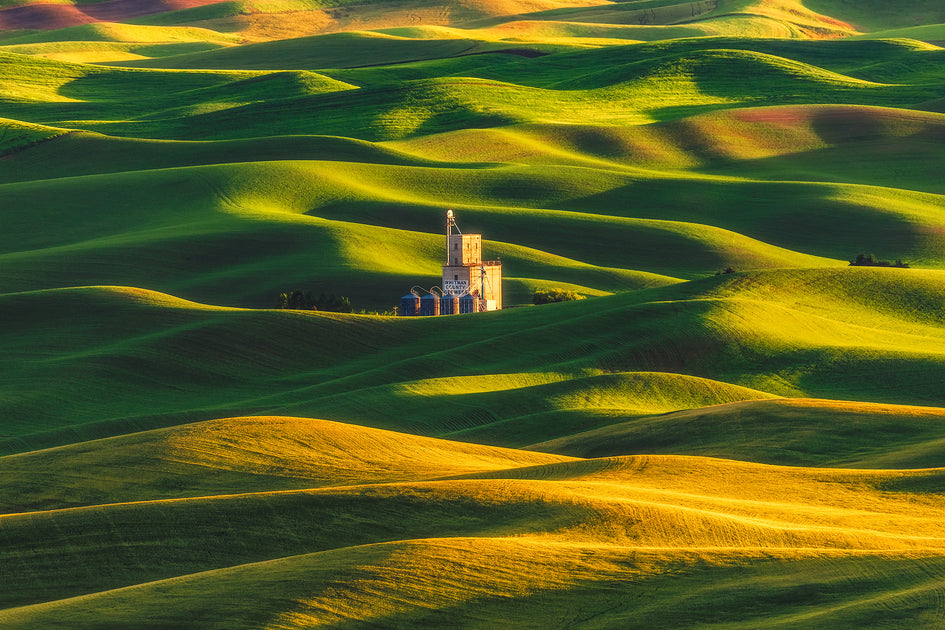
(790, 431)
(736, 428)
(581, 518)
(803, 333)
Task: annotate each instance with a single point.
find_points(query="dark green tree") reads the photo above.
(556, 294)
(306, 301)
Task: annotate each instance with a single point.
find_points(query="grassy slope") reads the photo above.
(788, 431)
(125, 33)
(255, 174)
(325, 51)
(649, 83)
(230, 205)
(896, 148)
(901, 223)
(875, 15)
(528, 585)
(932, 33)
(254, 454)
(107, 42)
(793, 332)
(668, 19)
(299, 211)
(586, 514)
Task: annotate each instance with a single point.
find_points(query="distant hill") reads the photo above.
(649, 20)
(735, 429)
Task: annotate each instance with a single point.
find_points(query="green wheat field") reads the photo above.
(684, 448)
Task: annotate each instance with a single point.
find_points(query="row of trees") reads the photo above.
(869, 260)
(306, 301)
(861, 260)
(555, 295)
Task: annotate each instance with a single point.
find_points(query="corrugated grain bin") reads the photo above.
(410, 305)
(468, 303)
(429, 305)
(449, 304)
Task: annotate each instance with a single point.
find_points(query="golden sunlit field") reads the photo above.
(733, 428)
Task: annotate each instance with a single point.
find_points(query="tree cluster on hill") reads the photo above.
(555, 295)
(869, 260)
(306, 301)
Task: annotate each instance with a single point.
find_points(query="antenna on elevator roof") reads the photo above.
(451, 222)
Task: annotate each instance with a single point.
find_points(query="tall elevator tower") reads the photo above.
(466, 273)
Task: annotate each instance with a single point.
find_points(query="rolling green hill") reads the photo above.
(560, 533)
(736, 429)
(854, 334)
(805, 432)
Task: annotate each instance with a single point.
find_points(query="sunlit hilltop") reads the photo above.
(686, 408)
